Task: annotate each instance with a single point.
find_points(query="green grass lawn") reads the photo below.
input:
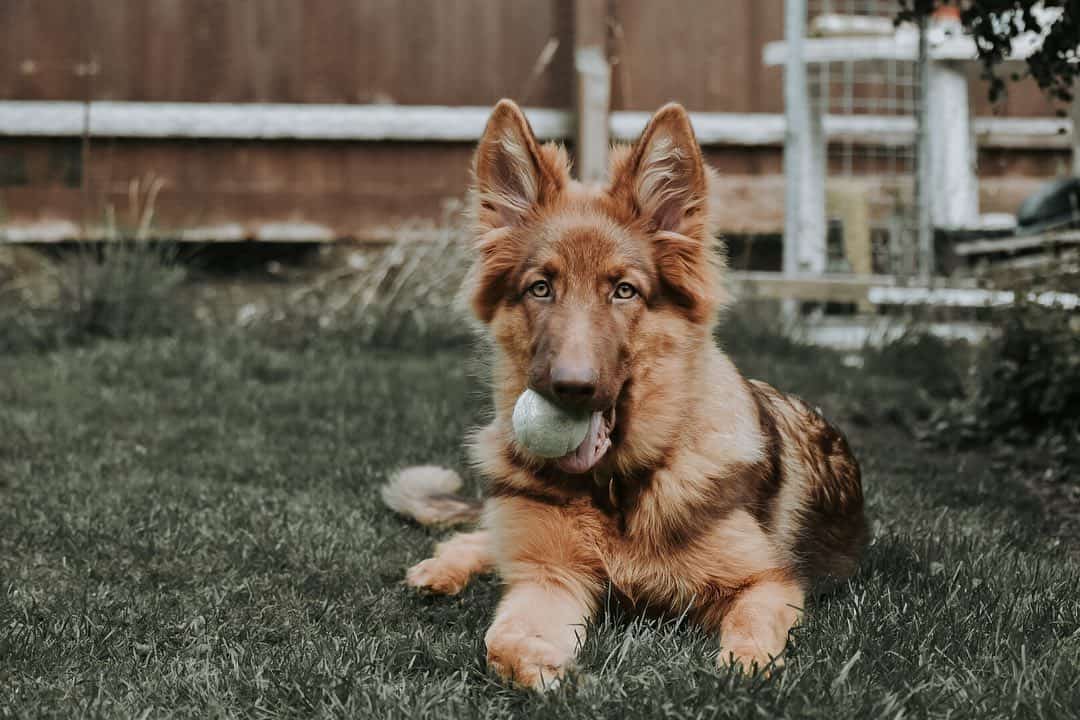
(190, 527)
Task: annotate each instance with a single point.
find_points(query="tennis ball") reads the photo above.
(545, 429)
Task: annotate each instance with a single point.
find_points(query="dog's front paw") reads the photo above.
(437, 577)
(524, 657)
(749, 657)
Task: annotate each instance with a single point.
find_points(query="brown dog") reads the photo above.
(696, 490)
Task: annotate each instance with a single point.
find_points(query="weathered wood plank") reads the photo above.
(1015, 244)
(882, 290)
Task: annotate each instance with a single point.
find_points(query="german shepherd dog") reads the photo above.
(696, 490)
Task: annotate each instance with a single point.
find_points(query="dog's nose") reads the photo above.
(573, 384)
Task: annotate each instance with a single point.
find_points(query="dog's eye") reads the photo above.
(625, 291)
(540, 289)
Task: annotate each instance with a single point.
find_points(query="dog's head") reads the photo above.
(591, 291)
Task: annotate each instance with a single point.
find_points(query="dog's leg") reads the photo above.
(538, 629)
(754, 630)
(454, 563)
(553, 576)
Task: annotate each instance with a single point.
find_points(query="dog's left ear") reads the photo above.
(664, 183)
(664, 175)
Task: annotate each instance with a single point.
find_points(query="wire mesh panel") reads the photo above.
(871, 105)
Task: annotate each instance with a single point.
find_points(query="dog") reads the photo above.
(696, 491)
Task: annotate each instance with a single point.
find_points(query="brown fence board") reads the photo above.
(705, 54)
(351, 188)
(46, 44)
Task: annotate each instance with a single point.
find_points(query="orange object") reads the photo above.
(947, 13)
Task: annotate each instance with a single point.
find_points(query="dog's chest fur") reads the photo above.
(634, 540)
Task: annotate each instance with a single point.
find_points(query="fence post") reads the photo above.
(951, 160)
(1075, 114)
(921, 261)
(804, 155)
(593, 89)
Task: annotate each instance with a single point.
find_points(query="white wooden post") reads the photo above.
(593, 90)
(1075, 114)
(804, 155)
(954, 192)
(924, 173)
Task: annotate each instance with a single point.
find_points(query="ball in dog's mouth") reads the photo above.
(576, 442)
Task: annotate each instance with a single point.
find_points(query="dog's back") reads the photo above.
(819, 505)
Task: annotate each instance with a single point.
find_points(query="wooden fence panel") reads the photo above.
(450, 52)
(703, 53)
(352, 190)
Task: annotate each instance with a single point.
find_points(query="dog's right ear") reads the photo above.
(512, 173)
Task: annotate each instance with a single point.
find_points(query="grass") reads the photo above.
(189, 527)
(120, 285)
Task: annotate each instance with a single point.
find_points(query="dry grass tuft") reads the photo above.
(402, 294)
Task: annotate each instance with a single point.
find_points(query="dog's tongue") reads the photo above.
(591, 449)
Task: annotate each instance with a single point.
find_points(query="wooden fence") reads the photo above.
(337, 53)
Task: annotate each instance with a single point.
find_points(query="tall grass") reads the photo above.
(119, 285)
(406, 294)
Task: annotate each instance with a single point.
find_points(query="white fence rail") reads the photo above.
(430, 123)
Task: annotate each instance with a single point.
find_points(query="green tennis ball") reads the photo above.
(545, 429)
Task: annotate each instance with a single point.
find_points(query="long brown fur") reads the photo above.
(720, 497)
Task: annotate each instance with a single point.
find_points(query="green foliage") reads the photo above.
(758, 327)
(1025, 385)
(118, 285)
(995, 23)
(933, 367)
(1029, 378)
(118, 288)
(123, 289)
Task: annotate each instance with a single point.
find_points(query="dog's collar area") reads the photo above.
(609, 486)
(609, 496)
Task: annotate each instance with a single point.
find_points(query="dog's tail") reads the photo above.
(428, 495)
